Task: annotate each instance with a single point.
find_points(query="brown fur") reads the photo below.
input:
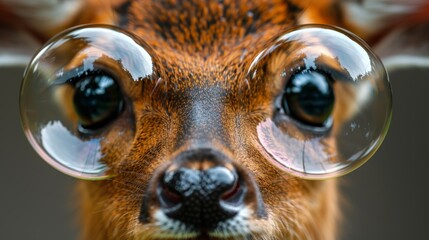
(202, 51)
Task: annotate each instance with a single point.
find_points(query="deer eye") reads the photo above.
(309, 98)
(75, 97)
(331, 101)
(97, 100)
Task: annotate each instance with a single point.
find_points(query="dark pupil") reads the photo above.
(309, 97)
(97, 100)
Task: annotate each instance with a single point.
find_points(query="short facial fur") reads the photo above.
(202, 100)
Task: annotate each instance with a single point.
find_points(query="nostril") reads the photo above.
(168, 195)
(231, 193)
(226, 181)
(169, 198)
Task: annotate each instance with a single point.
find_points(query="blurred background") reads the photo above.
(387, 198)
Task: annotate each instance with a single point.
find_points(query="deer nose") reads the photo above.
(201, 194)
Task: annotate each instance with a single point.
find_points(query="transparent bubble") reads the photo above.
(48, 117)
(360, 115)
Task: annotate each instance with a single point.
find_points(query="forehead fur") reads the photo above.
(206, 42)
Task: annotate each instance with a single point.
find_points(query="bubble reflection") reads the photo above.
(361, 112)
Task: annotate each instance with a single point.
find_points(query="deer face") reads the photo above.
(207, 120)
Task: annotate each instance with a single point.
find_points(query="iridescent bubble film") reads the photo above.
(51, 106)
(354, 120)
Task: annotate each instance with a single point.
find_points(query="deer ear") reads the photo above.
(43, 17)
(398, 30)
(16, 47)
(25, 24)
(405, 47)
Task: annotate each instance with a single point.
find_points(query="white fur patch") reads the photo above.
(406, 61)
(237, 226)
(171, 228)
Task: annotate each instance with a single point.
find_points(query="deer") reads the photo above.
(200, 119)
